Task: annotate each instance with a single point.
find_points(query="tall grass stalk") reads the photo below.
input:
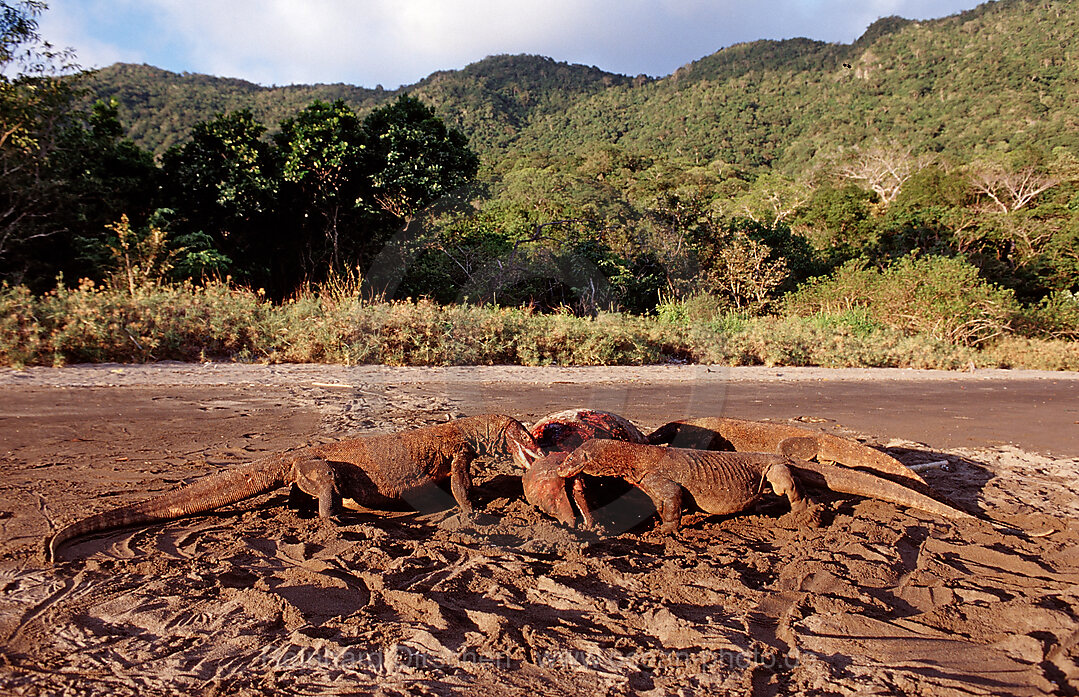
(336, 324)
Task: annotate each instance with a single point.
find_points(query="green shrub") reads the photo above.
(92, 323)
(855, 320)
(1031, 354)
(1055, 317)
(697, 308)
(803, 341)
(943, 297)
(20, 329)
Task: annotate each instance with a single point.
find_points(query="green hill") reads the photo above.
(160, 107)
(491, 100)
(999, 77)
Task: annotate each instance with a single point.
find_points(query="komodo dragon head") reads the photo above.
(496, 434)
(546, 490)
(558, 435)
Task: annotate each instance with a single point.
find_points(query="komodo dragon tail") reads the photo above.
(206, 494)
(850, 481)
(853, 454)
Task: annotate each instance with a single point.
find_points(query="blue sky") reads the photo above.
(394, 42)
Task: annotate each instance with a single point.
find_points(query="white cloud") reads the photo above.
(400, 41)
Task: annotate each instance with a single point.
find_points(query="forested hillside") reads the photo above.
(492, 100)
(922, 181)
(998, 77)
(159, 108)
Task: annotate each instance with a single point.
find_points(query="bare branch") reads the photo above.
(885, 169)
(1008, 189)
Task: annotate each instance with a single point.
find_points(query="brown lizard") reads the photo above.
(719, 433)
(721, 483)
(370, 470)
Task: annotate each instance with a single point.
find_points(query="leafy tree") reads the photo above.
(29, 67)
(65, 174)
(138, 258)
(225, 170)
(101, 175)
(415, 162)
(223, 183)
(839, 222)
(931, 213)
(933, 187)
(459, 261)
(35, 105)
(413, 158)
(675, 221)
(744, 272)
(325, 177)
(354, 184)
(772, 199)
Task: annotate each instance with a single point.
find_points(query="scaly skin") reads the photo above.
(722, 483)
(370, 470)
(717, 433)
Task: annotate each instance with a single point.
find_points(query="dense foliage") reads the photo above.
(923, 180)
(324, 194)
(34, 115)
(491, 100)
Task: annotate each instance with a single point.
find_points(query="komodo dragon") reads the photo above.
(370, 470)
(719, 433)
(721, 483)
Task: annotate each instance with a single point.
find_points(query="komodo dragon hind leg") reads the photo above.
(317, 477)
(666, 495)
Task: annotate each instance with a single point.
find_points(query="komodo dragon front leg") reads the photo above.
(318, 478)
(460, 477)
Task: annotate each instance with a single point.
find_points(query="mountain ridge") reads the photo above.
(996, 77)
(161, 106)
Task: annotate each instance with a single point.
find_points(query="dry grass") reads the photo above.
(91, 323)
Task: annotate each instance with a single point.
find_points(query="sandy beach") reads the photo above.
(860, 597)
